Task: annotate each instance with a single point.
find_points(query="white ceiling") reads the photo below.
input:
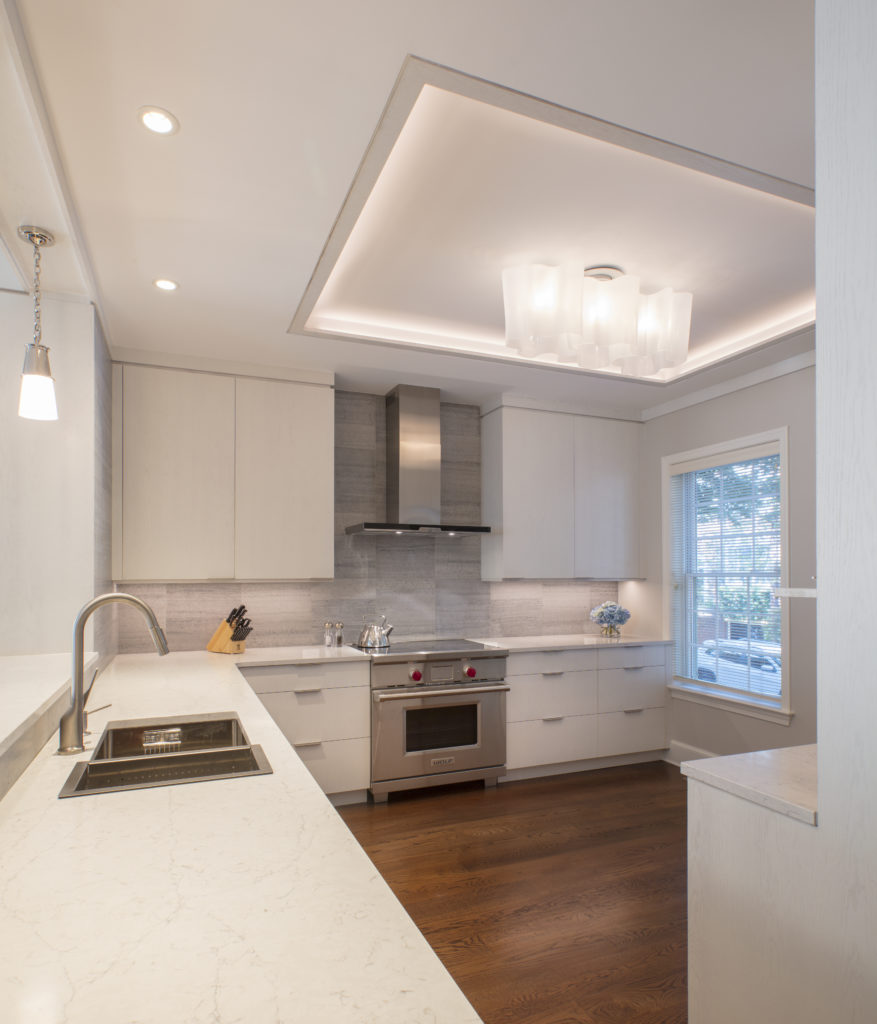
(278, 102)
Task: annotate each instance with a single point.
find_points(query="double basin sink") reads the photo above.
(146, 752)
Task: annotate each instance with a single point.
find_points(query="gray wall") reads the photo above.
(47, 481)
(425, 586)
(788, 400)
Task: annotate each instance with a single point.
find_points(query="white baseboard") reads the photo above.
(541, 771)
(680, 752)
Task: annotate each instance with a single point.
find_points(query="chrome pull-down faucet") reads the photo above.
(72, 727)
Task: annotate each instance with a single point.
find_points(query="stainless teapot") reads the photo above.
(375, 635)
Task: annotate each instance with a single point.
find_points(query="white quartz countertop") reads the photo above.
(558, 642)
(241, 901)
(782, 780)
(313, 655)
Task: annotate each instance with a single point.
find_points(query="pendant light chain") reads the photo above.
(37, 311)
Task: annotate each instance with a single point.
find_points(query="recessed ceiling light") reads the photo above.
(162, 122)
(165, 285)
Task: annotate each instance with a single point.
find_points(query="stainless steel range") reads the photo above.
(438, 714)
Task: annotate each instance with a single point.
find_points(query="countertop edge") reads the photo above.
(781, 780)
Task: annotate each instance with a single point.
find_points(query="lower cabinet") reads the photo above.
(324, 712)
(577, 704)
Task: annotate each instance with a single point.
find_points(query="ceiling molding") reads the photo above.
(313, 319)
(791, 365)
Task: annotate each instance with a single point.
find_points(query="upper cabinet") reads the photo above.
(606, 498)
(284, 480)
(561, 492)
(220, 477)
(527, 494)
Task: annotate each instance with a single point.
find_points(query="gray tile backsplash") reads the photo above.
(427, 586)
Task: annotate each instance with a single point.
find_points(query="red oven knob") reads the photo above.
(469, 671)
(415, 674)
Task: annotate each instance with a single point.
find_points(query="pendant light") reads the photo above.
(37, 399)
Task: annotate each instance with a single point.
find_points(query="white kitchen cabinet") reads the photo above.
(561, 493)
(566, 707)
(324, 712)
(606, 498)
(174, 515)
(527, 494)
(221, 477)
(551, 708)
(284, 480)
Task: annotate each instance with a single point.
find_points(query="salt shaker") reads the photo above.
(328, 634)
(339, 637)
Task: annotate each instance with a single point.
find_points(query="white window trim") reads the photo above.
(779, 711)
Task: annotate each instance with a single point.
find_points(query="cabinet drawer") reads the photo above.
(623, 689)
(339, 766)
(330, 714)
(631, 657)
(626, 732)
(533, 662)
(572, 738)
(277, 678)
(551, 694)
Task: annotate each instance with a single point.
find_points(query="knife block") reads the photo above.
(222, 643)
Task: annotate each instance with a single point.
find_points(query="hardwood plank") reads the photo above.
(550, 901)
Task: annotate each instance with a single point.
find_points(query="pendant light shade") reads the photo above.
(595, 317)
(37, 398)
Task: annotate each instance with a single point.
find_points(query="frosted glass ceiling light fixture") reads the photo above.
(37, 398)
(596, 318)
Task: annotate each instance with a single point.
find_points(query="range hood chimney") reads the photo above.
(414, 467)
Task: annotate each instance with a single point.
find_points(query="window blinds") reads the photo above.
(725, 563)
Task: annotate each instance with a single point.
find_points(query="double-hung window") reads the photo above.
(727, 518)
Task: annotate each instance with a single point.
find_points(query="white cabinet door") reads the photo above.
(551, 695)
(556, 739)
(284, 480)
(528, 482)
(324, 712)
(177, 487)
(222, 478)
(606, 498)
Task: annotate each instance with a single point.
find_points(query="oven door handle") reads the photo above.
(381, 696)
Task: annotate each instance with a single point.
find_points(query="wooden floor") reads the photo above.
(555, 901)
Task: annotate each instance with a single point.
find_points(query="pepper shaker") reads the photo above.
(339, 636)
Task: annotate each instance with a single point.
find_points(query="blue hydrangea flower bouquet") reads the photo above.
(610, 617)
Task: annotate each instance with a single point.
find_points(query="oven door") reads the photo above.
(422, 732)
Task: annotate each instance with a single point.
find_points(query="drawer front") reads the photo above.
(572, 738)
(330, 714)
(624, 689)
(277, 678)
(550, 694)
(339, 766)
(632, 657)
(627, 733)
(534, 662)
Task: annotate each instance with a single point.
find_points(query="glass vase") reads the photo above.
(610, 632)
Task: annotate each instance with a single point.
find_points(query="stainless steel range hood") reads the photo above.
(414, 467)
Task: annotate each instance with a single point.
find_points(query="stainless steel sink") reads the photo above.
(145, 752)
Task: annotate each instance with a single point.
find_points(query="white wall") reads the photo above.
(801, 944)
(784, 401)
(47, 480)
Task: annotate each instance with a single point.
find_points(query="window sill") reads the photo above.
(768, 712)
